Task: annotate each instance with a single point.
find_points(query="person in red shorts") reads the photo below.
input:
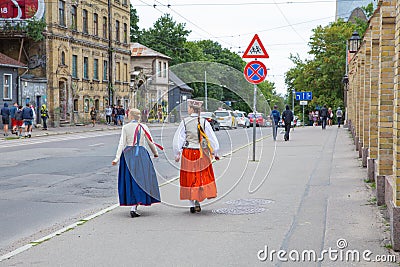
(19, 121)
(13, 109)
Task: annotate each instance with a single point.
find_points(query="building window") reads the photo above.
(95, 24)
(118, 74)
(126, 103)
(76, 102)
(159, 69)
(7, 86)
(86, 105)
(61, 12)
(62, 58)
(74, 17)
(85, 21)
(74, 66)
(125, 2)
(86, 68)
(126, 72)
(125, 33)
(96, 69)
(117, 30)
(105, 28)
(105, 72)
(97, 104)
(165, 70)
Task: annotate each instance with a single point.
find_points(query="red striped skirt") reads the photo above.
(196, 176)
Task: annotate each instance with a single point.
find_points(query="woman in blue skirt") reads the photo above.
(137, 179)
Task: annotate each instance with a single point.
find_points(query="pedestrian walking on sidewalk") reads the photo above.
(27, 116)
(276, 117)
(121, 115)
(195, 142)
(115, 114)
(13, 109)
(93, 115)
(44, 114)
(137, 179)
(324, 116)
(287, 117)
(330, 116)
(5, 117)
(19, 121)
(339, 115)
(108, 112)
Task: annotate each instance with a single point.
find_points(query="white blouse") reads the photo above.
(127, 138)
(180, 137)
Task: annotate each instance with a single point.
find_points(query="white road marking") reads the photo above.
(54, 138)
(47, 237)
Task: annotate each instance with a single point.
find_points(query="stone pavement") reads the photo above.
(302, 196)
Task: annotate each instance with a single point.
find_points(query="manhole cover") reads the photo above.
(239, 210)
(249, 202)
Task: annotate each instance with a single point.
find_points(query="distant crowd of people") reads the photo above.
(21, 119)
(325, 116)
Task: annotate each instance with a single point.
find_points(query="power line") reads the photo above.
(288, 22)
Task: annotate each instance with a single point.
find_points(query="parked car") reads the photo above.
(261, 119)
(242, 119)
(210, 117)
(226, 118)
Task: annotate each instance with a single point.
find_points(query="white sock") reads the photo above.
(134, 208)
(191, 203)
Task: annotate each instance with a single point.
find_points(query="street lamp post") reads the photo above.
(352, 46)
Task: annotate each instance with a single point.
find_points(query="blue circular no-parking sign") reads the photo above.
(255, 72)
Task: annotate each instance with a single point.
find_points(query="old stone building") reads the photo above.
(87, 48)
(150, 79)
(84, 58)
(373, 108)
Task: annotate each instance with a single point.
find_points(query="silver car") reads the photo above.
(226, 118)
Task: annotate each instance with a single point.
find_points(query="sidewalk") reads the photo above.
(38, 132)
(307, 194)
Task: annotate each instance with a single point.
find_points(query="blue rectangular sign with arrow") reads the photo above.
(304, 96)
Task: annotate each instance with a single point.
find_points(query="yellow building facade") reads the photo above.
(83, 67)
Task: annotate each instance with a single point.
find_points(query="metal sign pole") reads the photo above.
(303, 115)
(254, 122)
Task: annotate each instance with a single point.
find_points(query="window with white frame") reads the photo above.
(7, 86)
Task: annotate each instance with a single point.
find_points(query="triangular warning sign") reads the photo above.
(255, 49)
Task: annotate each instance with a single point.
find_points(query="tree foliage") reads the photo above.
(134, 28)
(167, 37)
(323, 74)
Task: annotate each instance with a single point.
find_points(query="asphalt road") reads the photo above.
(47, 183)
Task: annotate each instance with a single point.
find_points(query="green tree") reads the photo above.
(167, 37)
(134, 28)
(323, 74)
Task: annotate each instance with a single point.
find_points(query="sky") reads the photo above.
(284, 27)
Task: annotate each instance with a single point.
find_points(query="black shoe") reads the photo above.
(134, 214)
(29, 135)
(197, 206)
(192, 210)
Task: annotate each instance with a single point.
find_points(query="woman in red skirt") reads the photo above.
(197, 179)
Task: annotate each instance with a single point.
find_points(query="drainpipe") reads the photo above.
(110, 55)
